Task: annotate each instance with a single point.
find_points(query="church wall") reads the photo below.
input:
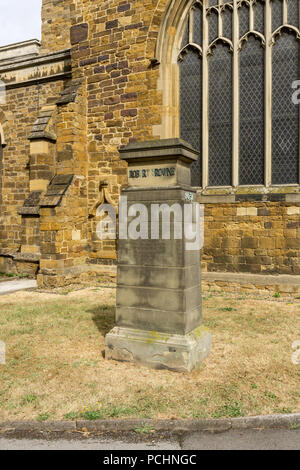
(121, 100)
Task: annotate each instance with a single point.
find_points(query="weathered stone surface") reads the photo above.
(56, 189)
(143, 253)
(148, 313)
(39, 130)
(157, 276)
(159, 350)
(79, 33)
(69, 94)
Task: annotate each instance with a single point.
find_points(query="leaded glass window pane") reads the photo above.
(185, 39)
(244, 20)
(191, 107)
(219, 148)
(285, 114)
(259, 17)
(213, 25)
(293, 12)
(277, 14)
(220, 117)
(252, 113)
(227, 22)
(197, 26)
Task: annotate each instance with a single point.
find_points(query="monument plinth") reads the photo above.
(159, 305)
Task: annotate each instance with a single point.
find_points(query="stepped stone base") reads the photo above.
(159, 350)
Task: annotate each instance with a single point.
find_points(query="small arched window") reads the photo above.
(238, 62)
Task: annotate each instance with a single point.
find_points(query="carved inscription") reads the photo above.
(154, 172)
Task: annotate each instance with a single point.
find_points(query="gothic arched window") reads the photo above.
(238, 64)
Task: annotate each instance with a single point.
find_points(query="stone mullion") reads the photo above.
(251, 17)
(285, 12)
(205, 92)
(191, 25)
(268, 94)
(236, 98)
(220, 19)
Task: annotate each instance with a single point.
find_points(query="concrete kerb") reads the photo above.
(170, 427)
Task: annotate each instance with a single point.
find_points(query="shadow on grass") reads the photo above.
(104, 318)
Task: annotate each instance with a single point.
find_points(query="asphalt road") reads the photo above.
(248, 439)
(89, 444)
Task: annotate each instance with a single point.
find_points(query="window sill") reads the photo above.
(274, 193)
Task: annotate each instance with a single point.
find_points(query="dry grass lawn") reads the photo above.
(55, 367)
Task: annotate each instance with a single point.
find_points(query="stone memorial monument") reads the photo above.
(159, 305)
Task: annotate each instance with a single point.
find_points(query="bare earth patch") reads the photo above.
(55, 367)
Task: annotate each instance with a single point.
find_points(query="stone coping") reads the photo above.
(18, 45)
(156, 150)
(24, 257)
(35, 61)
(56, 189)
(238, 278)
(12, 53)
(208, 196)
(69, 94)
(158, 144)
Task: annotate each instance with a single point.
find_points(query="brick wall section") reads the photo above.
(254, 238)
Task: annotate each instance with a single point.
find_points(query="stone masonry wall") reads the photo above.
(56, 15)
(258, 238)
(119, 100)
(109, 41)
(113, 44)
(63, 235)
(21, 110)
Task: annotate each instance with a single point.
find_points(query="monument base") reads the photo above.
(159, 350)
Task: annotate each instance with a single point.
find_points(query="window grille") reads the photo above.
(220, 117)
(238, 60)
(252, 113)
(191, 106)
(285, 115)
(293, 12)
(277, 14)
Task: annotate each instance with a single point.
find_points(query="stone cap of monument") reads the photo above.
(159, 150)
(159, 163)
